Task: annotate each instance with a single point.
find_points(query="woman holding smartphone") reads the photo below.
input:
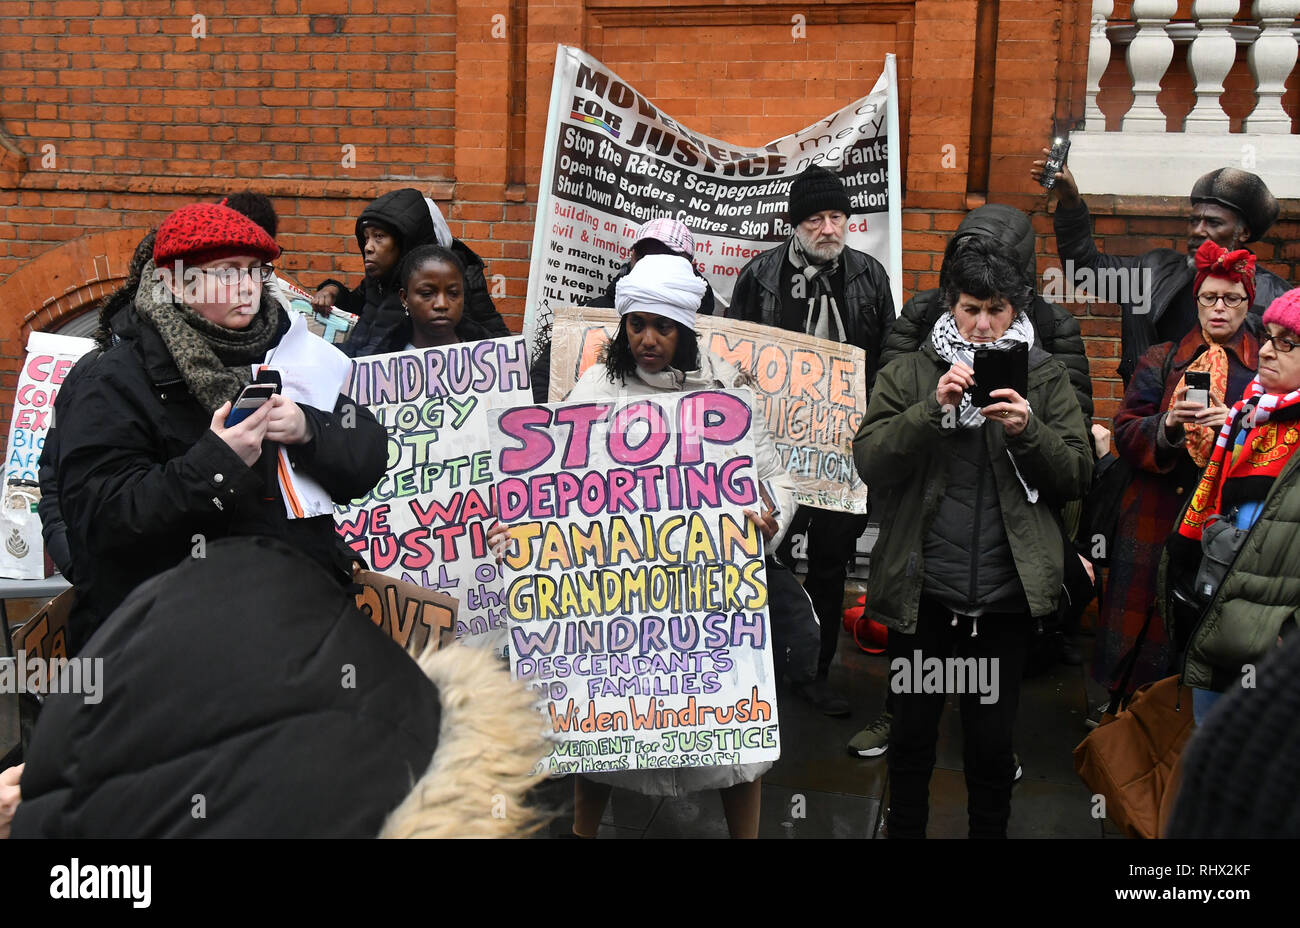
(149, 468)
(1167, 433)
(970, 552)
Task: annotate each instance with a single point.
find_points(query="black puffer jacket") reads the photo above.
(967, 556)
(144, 479)
(869, 303)
(1149, 318)
(375, 301)
(1057, 330)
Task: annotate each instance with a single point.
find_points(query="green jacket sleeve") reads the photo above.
(903, 420)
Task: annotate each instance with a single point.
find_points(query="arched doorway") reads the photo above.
(54, 293)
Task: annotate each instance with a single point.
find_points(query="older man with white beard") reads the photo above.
(813, 283)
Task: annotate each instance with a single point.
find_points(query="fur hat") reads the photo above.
(815, 190)
(1285, 311)
(203, 232)
(1243, 193)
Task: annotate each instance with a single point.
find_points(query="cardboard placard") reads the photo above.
(812, 393)
(411, 615)
(426, 521)
(635, 586)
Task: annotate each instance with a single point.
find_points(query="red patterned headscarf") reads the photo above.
(1237, 266)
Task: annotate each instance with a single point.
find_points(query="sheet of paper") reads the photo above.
(312, 373)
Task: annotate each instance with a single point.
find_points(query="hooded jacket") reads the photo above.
(1055, 327)
(901, 452)
(375, 300)
(1148, 318)
(143, 479)
(272, 707)
(868, 309)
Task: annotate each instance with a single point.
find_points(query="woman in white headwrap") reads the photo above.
(655, 351)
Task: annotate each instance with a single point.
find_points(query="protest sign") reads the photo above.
(49, 358)
(45, 634)
(811, 391)
(612, 160)
(411, 615)
(426, 521)
(635, 585)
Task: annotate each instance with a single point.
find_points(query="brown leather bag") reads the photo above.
(1132, 757)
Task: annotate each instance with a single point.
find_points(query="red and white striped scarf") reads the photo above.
(1248, 455)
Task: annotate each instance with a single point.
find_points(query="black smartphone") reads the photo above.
(1055, 161)
(1198, 387)
(997, 370)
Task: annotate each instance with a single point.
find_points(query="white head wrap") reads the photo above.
(441, 230)
(665, 285)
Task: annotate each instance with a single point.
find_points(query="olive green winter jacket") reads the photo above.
(899, 451)
(1258, 596)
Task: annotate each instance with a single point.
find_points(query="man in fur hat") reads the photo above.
(1229, 206)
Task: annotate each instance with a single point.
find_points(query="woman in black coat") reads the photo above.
(149, 471)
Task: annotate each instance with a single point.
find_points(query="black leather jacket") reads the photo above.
(868, 309)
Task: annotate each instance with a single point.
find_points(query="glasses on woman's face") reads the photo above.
(1280, 344)
(230, 276)
(1230, 300)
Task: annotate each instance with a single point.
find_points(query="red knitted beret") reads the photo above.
(203, 232)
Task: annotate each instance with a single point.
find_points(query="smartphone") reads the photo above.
(1055, 161)
(250, 399)
(1198, 387)
(997, 370)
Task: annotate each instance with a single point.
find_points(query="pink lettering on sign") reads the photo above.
(718, 418)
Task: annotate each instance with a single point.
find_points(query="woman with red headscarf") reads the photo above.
(1167, 437)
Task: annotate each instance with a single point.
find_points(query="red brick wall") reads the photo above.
(451, 96)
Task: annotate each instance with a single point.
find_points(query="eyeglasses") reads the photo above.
(1280, 344)
(1230, 300)
(230, 276)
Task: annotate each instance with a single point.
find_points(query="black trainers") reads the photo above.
(818, 694)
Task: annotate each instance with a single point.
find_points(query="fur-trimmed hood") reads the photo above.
(244, 695)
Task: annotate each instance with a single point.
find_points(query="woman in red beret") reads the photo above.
(149, 470)
(1167, 437)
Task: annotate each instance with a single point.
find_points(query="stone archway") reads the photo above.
(53, 289)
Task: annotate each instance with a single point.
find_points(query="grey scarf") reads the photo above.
(822, 306)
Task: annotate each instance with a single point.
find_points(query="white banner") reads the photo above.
(613, 160)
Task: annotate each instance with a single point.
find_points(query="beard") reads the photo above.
(819, 254)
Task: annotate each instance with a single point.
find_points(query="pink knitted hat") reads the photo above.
(1285, 311)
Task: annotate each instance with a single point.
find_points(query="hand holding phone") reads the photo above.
(1000, 369)
(245, 437)
(1055, 162)
(1198, 387)
(250, 399)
